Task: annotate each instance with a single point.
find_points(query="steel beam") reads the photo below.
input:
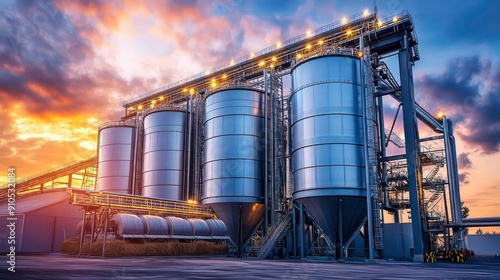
(412, 147)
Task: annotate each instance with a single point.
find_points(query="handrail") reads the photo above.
(133, 202)
(404, 15)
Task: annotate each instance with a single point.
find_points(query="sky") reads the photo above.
(67, 66)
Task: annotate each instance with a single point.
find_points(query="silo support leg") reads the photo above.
(340, 234)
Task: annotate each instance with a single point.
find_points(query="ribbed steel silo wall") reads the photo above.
(234, 150)
(327, 142)
(115, 162)
(164, 153)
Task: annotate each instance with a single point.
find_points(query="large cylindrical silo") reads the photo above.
(116, 154)
(233, 166)
(327, 143)
(164, 153)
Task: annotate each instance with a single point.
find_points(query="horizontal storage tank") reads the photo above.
(154, 225)
(327, 142)
(164, 152)
(217, 227)
(116, 154)
(233, 164)
(178, 226)
(128, 225)
(200, 227)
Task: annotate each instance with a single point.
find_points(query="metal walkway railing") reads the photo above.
(132, 203)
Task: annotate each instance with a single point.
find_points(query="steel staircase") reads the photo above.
(280, 231)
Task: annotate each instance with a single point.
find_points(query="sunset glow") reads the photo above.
(61, 78)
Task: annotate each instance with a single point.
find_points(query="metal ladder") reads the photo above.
(372, 142)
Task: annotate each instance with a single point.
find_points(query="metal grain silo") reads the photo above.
(116, 156)
(233, 165)
(163, 155)
(327, 143)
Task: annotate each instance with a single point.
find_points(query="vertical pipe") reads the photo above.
(458, 201)
(383, 149)
(266, 185)
(134, 187)
(341, 234)
(196, 161)
(273, 183)
(301, 230)
(289, 144)
(366, 152)
(451, 179)
(189, 148)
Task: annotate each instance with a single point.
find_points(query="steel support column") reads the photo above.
(412, 147)
(301, 230)
(265, 227)
(454, 170)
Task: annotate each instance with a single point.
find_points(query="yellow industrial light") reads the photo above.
(309, 33)
(349, 32)
(191, 91)
(299, 55)
(320, 42)
(308, 46)
(207, 72)
(152, 105)
(440, 115)
(272, 66)
(262, 63)
(274, 58)
(139, 107)
(162, 98)
(252, 54)
(394, 19)
(278, 45)
(366, 13)
(184, 90)
(379, 23)
(214, 84)
(344, 20)
(154, 101)
(360, 54)
(232, 62)
(224, 76)
(130, 108)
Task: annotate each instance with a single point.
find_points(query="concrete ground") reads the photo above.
(56, 266)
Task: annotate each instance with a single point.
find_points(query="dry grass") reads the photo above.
(120, 248)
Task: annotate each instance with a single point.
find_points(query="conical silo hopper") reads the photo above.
(327, 143)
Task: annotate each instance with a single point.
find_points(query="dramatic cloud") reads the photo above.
(468, 92)
(463, 161)
(464, 178)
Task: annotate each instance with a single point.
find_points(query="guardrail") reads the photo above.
(137, 203)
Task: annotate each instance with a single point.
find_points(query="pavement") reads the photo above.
(57, 266)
